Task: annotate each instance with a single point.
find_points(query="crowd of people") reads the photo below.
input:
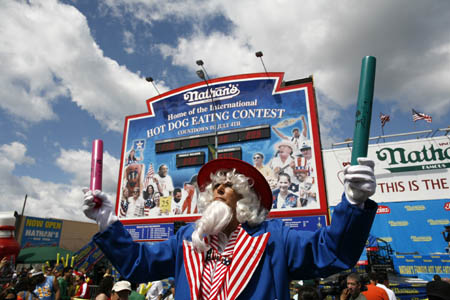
(363, 286)
(69, 284)
(46, 283)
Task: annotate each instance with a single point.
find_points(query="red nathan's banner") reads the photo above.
(447, 206)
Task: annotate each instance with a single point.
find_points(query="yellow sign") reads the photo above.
(164, 204)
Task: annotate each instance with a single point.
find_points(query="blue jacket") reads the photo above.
(289, 254)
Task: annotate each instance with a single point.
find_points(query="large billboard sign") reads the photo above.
(39, 232)
(254, 117)
(406, 171)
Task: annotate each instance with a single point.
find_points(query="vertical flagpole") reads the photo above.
(364, 109)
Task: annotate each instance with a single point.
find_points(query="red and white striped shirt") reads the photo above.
(223, 274)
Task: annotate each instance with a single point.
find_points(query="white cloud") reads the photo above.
(77, 163)
(48, 199)
(130, 43)
(326, 39)
(48, 52)
(149, 11)
(14, 153)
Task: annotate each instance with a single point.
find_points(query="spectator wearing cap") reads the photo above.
(121, 290)
(306, 153)
(283, 162)
(46, 288)
(83, 291)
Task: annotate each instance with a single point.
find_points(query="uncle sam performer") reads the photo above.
(232, 251)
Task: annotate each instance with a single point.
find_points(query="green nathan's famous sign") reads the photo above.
(400, 156)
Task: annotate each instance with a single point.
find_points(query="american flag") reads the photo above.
(384, 119)
(420, 116)
(149, 175)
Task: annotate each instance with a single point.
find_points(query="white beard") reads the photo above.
(215, 218)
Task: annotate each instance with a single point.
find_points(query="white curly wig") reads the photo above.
(248, 209)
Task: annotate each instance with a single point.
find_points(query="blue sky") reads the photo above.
(72, 71)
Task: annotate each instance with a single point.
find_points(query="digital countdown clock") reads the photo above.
(198, 158)
(190, 159)
(223, 137)
(233, 152)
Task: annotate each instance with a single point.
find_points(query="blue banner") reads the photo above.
(413, 226)
(41, 232)
(422, 266)
(157, 232)
(308, 223)
(149, 232)
(409, 291)
(87, 257)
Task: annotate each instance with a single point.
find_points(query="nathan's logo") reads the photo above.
(211, 94)
(398, 223)
(401, 156)
(414, 207)
(447, 206)
(382, 209)
(421, 238)
(438, 222)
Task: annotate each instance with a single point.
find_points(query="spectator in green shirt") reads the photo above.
(135, 295)
(64, 283)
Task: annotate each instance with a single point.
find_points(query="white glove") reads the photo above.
(359, 181)
(103, 215)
